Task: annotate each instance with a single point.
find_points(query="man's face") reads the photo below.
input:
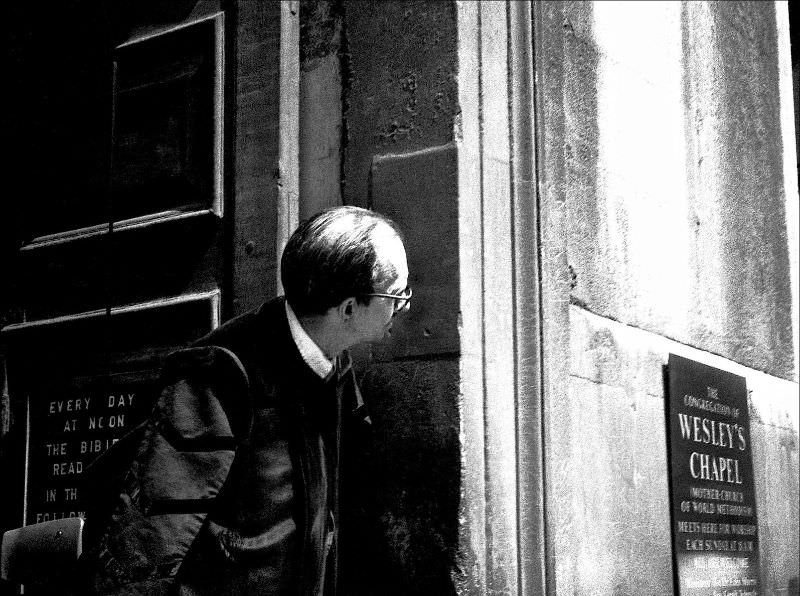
(373, 322)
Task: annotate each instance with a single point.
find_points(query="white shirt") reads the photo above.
(310, 351)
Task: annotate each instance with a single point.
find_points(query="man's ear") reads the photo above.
(346, 308)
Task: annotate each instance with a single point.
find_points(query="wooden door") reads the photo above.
(143, 212)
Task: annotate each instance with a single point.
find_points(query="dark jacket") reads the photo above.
(233, 485)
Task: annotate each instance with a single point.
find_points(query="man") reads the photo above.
(234, 483)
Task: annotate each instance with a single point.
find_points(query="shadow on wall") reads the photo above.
(400, 497)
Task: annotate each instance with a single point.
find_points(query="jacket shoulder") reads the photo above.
(256, 337)
(205, 387)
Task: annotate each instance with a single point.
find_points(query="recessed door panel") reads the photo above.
(168, 133)
(146, 198)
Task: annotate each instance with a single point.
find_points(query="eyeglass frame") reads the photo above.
(397, 297)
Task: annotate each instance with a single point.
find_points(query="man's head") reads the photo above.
(335, 260)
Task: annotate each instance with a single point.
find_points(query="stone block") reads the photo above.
(673, 172)
(419, 192)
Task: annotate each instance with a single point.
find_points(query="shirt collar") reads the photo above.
(310, 351)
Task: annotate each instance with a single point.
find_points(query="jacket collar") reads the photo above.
(274, 341)
(311, 353)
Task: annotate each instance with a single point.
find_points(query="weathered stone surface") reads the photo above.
(320, 31)
(402, 500)
(607, 467)
(774, 430)
(673, 175)
(320, 106)
(320, 136)
(607, 464)
(401, 93)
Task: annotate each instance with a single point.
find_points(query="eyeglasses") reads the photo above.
(401, 300)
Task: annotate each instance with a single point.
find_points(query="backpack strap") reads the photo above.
(171, 468)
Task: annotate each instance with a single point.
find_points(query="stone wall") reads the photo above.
(665, 229)
(665, 226)
(400, 104)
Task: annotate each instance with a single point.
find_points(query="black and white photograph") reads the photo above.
(400, 298)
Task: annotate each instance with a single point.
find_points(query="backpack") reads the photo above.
(150, 493)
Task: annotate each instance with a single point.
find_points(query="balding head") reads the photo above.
(337, 254)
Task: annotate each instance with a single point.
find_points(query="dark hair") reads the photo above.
(331, 257)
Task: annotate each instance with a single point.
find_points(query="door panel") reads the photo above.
(145, 196)
(167, 121)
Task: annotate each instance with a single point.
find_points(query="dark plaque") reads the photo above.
(77, 385)
(715, 533)
(72, 423)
